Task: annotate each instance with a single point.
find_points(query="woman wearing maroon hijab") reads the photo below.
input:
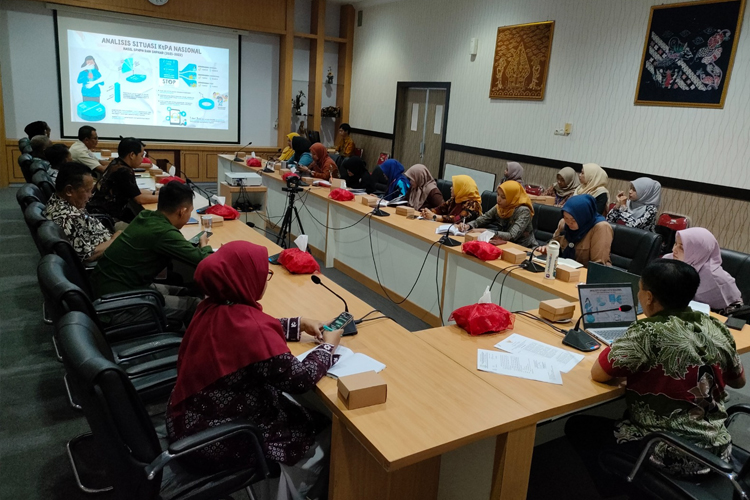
(234, 364)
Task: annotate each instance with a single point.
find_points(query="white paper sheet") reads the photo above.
(524, 346)
(414, 116)
(350, 363)
(513, 365)
(438, 119)
(700, 306)
(560, 260)
(443, 228)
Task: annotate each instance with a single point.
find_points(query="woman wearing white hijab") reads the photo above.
(594, 182)
(640, 207)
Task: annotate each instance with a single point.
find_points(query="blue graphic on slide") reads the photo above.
(206, 104)
(168, 68)
(90, 111)
(128, 66)
(189, 74)
(118, 94)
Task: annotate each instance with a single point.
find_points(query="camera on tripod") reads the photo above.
(293, 184)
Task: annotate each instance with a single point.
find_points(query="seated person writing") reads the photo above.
(464, 205)
(583, 234)
(676, 363)
(398, 183)
(511, 218)
(594, 182)
(423, 192)
(147, 247)
(117, 193)
(565, 187)
(698, 247)
(234, 364)
(640, 207)
(323, 166)
(345, 146)
(67, 209)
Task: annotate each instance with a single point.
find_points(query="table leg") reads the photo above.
(356, 474)
(513, 452)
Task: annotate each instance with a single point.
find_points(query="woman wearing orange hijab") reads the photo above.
(511, 217)
(323, 166)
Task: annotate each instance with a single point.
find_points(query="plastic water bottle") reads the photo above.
(550, 269)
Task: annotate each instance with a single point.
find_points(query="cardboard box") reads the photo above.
(240, 154)
(369, 200)
(218, 220)
(336, 183)
(514, 255)
(543, 200)
(106, 153)
(283, 171)
(556, 309)
(362, 389)
(473, 234)
(567, 274)
(406, 211)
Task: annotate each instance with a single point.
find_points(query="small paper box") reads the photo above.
(556, 309)
(283, 171)
(160, 176)
(106, 153)
(336, 183)
(473, 234)
(362, 389)
(216, 220)
(514, 255)
(567, 274)
(240, 154)
(369, 200)
(405, 211)
(277, 165)
(543, 200)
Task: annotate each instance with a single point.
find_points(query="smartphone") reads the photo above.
(735, 323)
(341, 321)
(274, 259)
(195, 240)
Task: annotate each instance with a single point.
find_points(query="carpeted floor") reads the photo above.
(36, 421)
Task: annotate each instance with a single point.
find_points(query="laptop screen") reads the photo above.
(603, 298)
(599, 273)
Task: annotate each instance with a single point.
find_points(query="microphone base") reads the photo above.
(380, 213)
(447, 241)
(237, 158)
(202, 210)
(533, 267)
(578, 339)
(350, 329)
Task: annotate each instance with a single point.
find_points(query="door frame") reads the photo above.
(425, 85)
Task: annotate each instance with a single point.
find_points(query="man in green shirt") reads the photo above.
(146, 248)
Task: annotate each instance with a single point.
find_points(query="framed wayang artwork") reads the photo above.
(522, 52)
(688, 53)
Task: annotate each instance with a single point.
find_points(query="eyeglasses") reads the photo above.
(270, 274)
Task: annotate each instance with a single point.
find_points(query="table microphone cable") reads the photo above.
(304, 205)
(541, 320)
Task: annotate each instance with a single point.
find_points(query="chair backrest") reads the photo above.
(313, 136)
(738, 265)
(61, 294)
(118, 420)
(23, 142)
(53, 240)
(444, 185)
(24, 161)
(43, 181)
(489, 200)
(34, 217)
(28, 193)
(633, 248)
(545, 221)
(358, 152)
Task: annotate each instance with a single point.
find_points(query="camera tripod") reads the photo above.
(290, 214)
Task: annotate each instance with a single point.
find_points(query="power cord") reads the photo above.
(502, 285)
(304, 205)
(437, 285)
(541, 320)
(365, 317)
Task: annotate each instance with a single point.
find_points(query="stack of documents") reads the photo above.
(443, 228)
(349, 363)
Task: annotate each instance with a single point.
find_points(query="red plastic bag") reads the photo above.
(170, 179)
(341, 195)
(253, 162)
(288, 175)
(298, 262)
(227, 212)
(482, 250)
(478, 319)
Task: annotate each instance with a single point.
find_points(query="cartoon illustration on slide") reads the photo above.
(128, 66)
(91, 90)
(189, 74)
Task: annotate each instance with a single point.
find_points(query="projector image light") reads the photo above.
(243, 179)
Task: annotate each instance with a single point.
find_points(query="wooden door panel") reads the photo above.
(190, 162)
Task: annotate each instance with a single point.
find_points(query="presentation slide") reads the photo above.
(151, 88)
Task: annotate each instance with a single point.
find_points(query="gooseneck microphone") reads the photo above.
(447, 241)
(350, 328)
(376, 211)
(237, 158)
(532, 266)
(578, 339)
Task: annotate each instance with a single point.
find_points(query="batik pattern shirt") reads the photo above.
(453, 212)
(676, 365)
(255, 392)
(84, 232)
(646, 221)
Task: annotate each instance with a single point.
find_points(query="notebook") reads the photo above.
(606, 326)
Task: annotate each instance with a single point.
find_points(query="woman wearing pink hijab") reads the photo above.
(698, 247)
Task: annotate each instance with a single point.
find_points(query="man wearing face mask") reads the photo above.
(117, 193)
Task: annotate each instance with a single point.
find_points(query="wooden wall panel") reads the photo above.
(253, 15)
(191, 164)
(210, 166)
(372, 147)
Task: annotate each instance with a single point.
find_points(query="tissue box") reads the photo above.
(567, 274)
(406, 211)
(369, 200)
(106, 153)
(514, 255)
(556, 309)
(473, 234)
(362, 389)
(240, 154)
(217, 220)
(543, 200)
(283, 171)
(336, 183)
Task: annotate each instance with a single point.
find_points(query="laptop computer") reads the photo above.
(599, 274)
(606, 326)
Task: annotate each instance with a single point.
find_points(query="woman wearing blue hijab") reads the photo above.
(398, 183)
(583, 234)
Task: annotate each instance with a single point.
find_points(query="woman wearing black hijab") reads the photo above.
(359, 178)
(300, 145)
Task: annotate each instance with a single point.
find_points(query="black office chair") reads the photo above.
(313, 136)
(546, 219)
(34, 217)
(725, 481)
(738, 265)
(23, 143)
(489, 200)
(445, 186)
(27, 194)
(632, 248)
(24, 161)
(135, 459)
(44, 182)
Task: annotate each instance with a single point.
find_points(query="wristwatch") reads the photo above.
(434, 217)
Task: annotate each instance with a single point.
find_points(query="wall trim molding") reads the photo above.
(372, 133)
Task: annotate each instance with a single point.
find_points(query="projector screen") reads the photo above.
(146, 80)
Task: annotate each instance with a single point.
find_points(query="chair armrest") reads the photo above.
(149, 301)
(152, 366)
(160, 343)
(209, 436)
(694, 452)
(106, 220)
(144, 292)
(734, 411)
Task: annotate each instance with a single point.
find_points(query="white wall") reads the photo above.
(593, 72)
(30, 89)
